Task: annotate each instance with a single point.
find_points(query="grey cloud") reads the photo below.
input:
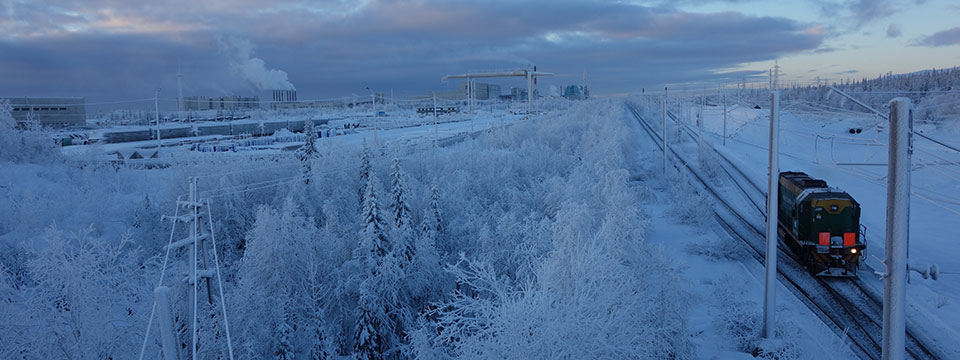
(942, 38)
(856, 13)
(869, 10)
(893, 31)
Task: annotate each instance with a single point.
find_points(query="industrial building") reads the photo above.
(198, 103)
(282, 99)
(484, 91)
(49, 112)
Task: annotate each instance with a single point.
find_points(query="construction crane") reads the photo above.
(529, 74)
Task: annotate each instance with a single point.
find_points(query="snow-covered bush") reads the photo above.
(85, 298)
(740, 318)
(33, 145)
(689, 204)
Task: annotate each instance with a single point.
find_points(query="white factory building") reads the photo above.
(49, 112)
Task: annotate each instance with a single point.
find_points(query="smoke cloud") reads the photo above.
(253, 69)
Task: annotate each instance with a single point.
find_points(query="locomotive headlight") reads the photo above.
(853, 251)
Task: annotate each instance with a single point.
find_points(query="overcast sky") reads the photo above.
(121, 49)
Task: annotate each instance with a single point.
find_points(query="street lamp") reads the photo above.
(373, 104)
(156, 104)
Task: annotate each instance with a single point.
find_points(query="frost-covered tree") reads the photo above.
(308, 152)
(86, 296)
(24, 146)
(369, 336)
(374, 245)
(6, 117)
(432, 225)
(16, 339)
(319, 351)
(366, 169)
(381, 304)
(274, 283)
(284, 349)
(401, 217)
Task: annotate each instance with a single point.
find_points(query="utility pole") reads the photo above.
(663, 125)
(679, 118)
(373, 103)
(770, 283)
(168, 335)
(740, 88)
(724, 119)
(156, 109)
(196, 272)
(470, 93)
(436, 130)
(898, 229)
(700, 120)
(180, 104)
(529, 92)
(471, 88)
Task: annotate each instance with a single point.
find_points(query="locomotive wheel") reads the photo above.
(805, 258)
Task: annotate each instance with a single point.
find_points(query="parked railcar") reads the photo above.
(213, 129)
(821, 225)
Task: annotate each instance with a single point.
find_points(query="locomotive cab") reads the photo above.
(820, 224)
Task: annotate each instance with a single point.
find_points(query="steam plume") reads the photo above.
(240, 53)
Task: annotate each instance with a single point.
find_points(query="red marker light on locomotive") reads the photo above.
(849, 239)
(825, 239)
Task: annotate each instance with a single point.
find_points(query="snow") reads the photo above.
(554, 235)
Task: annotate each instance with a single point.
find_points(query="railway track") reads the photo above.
(844, 305)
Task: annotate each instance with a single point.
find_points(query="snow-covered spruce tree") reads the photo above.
(402, 218)
(284, 349)
(374, 247)
(433, 222)
(381, 274)
(424, 285)
(308, 151)
(365, 170)
(320, 342)
(369, 340)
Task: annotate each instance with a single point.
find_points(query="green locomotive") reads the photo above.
(820, 224)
